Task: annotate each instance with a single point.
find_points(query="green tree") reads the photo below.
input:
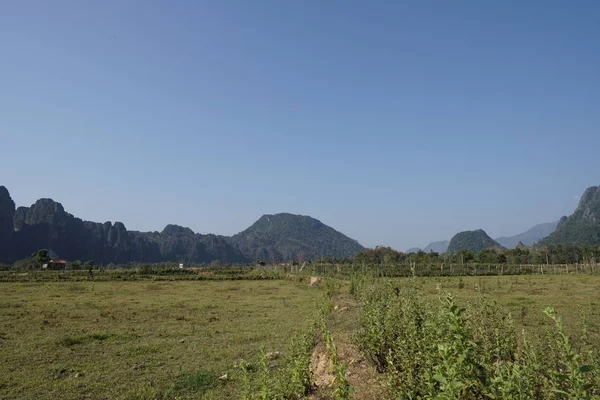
(76, 265)
(40, 258)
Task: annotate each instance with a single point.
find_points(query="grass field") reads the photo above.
(144, 339)
(573, 296)
(107, 340)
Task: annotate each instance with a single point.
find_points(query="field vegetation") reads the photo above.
(246, 333)
(143, 340)
(471, 346)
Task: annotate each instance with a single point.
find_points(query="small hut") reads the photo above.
(56, 264)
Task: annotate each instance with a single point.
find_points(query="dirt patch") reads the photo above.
(314, 280)
(366, 382)
(319, 365)
(361, 375)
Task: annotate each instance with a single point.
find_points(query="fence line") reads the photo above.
(398, 270)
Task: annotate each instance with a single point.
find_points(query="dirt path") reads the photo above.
(366, 383)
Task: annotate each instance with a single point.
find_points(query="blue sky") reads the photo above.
(397, 123)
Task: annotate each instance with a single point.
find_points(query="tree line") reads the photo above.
(552, 254)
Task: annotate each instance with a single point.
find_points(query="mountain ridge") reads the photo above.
(294, 237)
(529, 237)
(46, 224)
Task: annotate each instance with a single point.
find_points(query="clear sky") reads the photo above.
(397, 123)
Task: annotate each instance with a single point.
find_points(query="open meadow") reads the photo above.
(144, 339)
(526, 296)
(174, 339)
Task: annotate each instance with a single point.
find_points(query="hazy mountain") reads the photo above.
(437, 247)
(583, 226)
(47, 225)
(522, 246)
(413, 250)
(293, 237)
(529, 237)
(475, 241)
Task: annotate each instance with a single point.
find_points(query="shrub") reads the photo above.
(451, 352)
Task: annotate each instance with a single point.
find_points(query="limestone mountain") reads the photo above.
(7, 212)
(474, 241)
(293, 237)
(46, 224)
(583, 226)
(177, 243)
(437, 247)
(529, 237)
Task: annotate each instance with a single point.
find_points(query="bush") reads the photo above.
(450, 352)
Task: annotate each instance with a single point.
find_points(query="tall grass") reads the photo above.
(443, 351)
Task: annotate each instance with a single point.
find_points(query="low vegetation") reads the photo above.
(469, 350)
(144, 339)
(256, 334)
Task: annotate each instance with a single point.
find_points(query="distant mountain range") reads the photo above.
(277, 237)
(46, 224)
(581, 228)
(529, 237)
(437, 247)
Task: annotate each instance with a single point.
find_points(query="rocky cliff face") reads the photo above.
(46, 224)
(583, 226)
(7, 212)
(177, 243)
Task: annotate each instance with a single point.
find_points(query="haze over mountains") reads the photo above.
(581, 228)
(437, 247)
(273, 237)
(528, 238)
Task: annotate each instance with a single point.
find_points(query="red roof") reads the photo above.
(58, 261)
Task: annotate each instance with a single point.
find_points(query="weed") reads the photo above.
(473, 352)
